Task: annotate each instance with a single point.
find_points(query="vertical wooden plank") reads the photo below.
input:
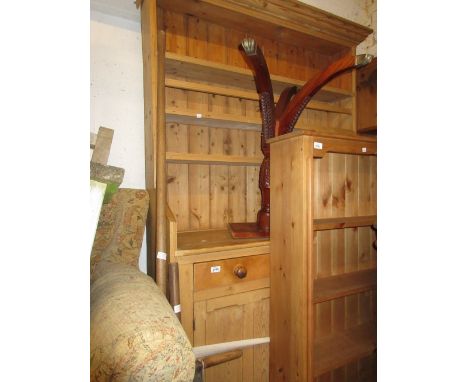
(352, 371)
(233, 56)
(102, 145)
(160, 158)
(364, 248)
(364, 185)
(252, 189)
(223, 325)
(237, 178)
(186, 298)
(199, 315)
(176, 31)
(283, 59)
(216, 48)
(219, 182)
(323, 188)
(373, 184)
(365, 307)
(150, 66)
(176, 99)
(323, 311)
(199, 179)
(248, 332)
(197, 31)
(261, 329)
(291, 321)
(269, 50)
(339, 375)
(177, 175)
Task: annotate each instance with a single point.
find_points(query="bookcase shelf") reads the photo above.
(329, 288)
(344, 222)
(227, 78)
(344, 347)
(233, 160)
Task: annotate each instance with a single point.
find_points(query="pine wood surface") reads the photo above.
(344, 284)
(202, 61)
(150, 69)
(201, 74)
(212, 180)
(336, 191)
(343, 222)
(236, 317)
(194, 242)
(343, 347)
(299, 23)
(257, 267)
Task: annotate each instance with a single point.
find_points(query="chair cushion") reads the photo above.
(120, 229)
(135, 335)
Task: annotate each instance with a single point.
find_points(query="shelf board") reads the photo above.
(344, 347)
(235, 79)
(329, 288)
(246, 94)
(199, 242)
(344, 222)
(227, 121)
(173, 157)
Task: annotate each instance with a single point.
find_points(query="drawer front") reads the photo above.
(214, 274)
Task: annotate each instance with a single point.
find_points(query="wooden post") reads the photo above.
(161, 184)
(153, 39)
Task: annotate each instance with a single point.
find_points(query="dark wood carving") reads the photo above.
(280, 119)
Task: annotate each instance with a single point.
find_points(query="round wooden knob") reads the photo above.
(240, 271)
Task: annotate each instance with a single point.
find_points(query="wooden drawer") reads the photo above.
(221, 273)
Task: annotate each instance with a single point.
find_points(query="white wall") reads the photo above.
(117, 77)
(363, 12)
(117, 95)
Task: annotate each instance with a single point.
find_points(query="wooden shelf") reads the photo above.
(173, 157)
(329, 288)
(246, 94)
(199, 242)
(344, 222)
(227, 121)
(235, 80)
(344, 347)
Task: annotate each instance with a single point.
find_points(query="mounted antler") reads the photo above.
(286, 122)
(281, 119)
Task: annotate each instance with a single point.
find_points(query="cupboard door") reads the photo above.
(232, 318)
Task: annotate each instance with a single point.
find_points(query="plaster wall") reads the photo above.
(117, 96)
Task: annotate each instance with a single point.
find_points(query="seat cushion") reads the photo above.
(135, 335)
(120, 229)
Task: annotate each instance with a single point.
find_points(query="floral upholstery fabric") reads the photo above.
(119, 233)
(135, 335)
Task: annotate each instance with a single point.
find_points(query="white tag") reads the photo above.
(364, 149)
(318, 145)
(161, 256)
(199, 115)
(177, 309)
(216, 269)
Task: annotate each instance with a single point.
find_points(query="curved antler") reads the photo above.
(255, 59)
(302, 98)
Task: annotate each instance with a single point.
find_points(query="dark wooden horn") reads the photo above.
(302, 98)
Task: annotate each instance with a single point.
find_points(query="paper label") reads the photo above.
(364, 149)
(199, 115)
(216, 269)
(318, 145)
(177, 308)
(161, 256)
